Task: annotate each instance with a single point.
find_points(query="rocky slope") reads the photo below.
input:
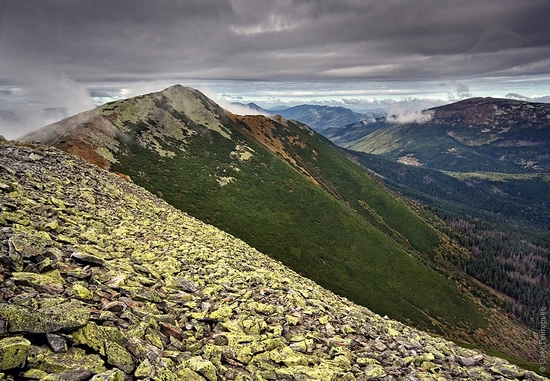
(101, 280)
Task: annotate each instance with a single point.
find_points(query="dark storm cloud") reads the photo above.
(267, 39)
(54, 52)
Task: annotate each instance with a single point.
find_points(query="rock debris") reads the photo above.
(100, 280)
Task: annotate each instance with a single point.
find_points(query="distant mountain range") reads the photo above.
(490, 149)
(288, 191)
(320, 118)
(476, 134)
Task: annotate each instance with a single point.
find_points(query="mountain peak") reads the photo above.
(492, 112)
(175, 113)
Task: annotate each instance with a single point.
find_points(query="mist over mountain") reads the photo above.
(288, 191)
(253, 106)
(476, 134)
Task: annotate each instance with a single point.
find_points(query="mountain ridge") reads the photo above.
(321, 117)
(186, 149)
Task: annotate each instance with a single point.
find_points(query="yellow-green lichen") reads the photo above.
(13, 352)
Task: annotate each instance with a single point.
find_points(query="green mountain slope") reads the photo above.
(516, 199)
(502, 219)
(283, 189)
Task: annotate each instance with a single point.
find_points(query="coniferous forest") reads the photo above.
(502, 222)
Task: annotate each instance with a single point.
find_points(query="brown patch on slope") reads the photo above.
(84, 150)
(81, 137)
(263, 129)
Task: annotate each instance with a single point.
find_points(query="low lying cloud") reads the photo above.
(408, 116)
(241, 109)
(17, 122)
(48, 97)
(519, 97)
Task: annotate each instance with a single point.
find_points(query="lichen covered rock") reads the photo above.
(103, 281)
(13, 352)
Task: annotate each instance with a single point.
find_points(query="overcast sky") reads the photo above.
(77, 53)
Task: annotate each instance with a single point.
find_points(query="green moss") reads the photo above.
(292, 320)
(375, 371)
(188, 375)
(80, 292)
(92, 336)
(46, 360)
(39, 280)
(203, 367)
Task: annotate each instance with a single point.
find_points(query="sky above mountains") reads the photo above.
(60, 57)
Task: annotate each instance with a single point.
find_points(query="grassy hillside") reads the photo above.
(436, 147)
(515, 199)
(502, 219)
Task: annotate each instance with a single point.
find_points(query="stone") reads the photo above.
(79, 291)
(92, 336)
(88, 258)
(110, 375)
(508, 371)
(65, 316)
(114, 306)
(45, 359)
(50, 281)
(79, 374)
(188, 375)
(186, 285)
(374, 371)
(144, 369)
(171, 330)
(469, 361)
(203, 367)
(119, 357)
(13, 352)
(292, 320)
(58, 343)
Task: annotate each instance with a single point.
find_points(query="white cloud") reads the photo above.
(408, 116)
(48, 97)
